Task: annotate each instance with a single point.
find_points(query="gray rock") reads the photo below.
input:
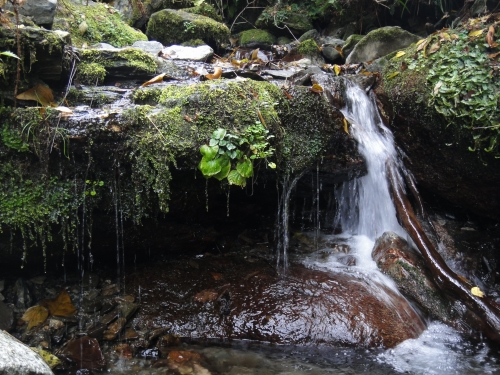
(334, 42)
(22, 295)
(17, 359)
(40, 11)
(311, 34)
(330, 53)
(350, 43)
(282, 73)
(150, 46)
(6, 317)
(381, 42)
(201, 53)
(171, 69)
(105, 46)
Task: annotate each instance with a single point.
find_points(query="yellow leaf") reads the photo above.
(39, 93)
(475, 33)
(346, 126)
(339, 50)
(392, 75)
(399, 54)
(445, 35)
(272, 165)
(35, 316)
(60, 306)
(435, 47)
(316, 88)
(50, 359)
(477, 292)
(255, 54)
(157, 79)
(337, 69)
(420, 42)
(216, 75)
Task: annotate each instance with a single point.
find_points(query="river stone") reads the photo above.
(86, 353)
(311, 34)
(397, 259)
(200, 53)
(40, 11)
(17, 359)
(350, 43)
(6, 317)
(381, 42)
(149, 46)
(308, 307)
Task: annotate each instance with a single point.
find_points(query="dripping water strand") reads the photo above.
(117, 230)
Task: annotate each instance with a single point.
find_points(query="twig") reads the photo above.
(159, 132)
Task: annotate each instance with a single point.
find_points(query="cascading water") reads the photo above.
(365, 205)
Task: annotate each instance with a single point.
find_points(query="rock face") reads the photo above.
(249, 301)
(170, 26)
(40, 11)
(17, 359)
(381, 42)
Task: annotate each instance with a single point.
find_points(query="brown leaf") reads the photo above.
(261, 118)
(216, 75)
(60, 306)
(493, 55)
(339, 50)
(435, 47)
(216, 276)
(157, 79)
(35, 316)
(39, 93)
(287, 94)
(490, 37)
(187, 118)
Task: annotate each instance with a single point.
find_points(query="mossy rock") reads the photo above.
(97, 64)
(256, 39)
(308, 47)
(102, 25)
(170, 26)
(447, 111)
(350, 43)
(277, 18)
(206, 10)
(381, 42)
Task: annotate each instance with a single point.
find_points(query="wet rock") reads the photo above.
(96, 330)
(85, 353)
(200, 53)
(127, 309)
(90, 281)
(6, 317)
(206, 296)
(109, 317)
(114, 329)
(312, 34)
(257, 39)
(184, 362)
(124, 351)
(111, 289)
(405, 266)
(350, 43)
(330, 53)
(129, 334)
(307, 307)
(41, 12)
(381, 42)
(22, 295)
(17, 359)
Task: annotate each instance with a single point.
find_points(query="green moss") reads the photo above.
(91, 73)
(255, 37)
(170, 26)
(138, 59)
(193, 43)
(308, 47)
(103, 26)
(206, 10)
(281, 15)
(350, 43)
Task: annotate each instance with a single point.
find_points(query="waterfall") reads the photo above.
(365, 206)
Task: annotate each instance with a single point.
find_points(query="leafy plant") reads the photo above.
(231, 156)
(9, 54)
(91, 187)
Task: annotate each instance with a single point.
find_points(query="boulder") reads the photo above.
(278, 17)
(308, 307)
(151, 47)
(41, 12)
(350, 43)
(201, 53)
(381, 42)
(170, 26)
(330, 49)
(18, 359)
(312, 34)
(256, 39)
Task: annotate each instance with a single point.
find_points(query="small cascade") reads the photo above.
(365, 206)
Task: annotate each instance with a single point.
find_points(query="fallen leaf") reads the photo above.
(435, 47)
(216, 75)
(287, 95)
(493, 55)
(475, 33)
(339, 50)
(316, 88)
(60, 306)
(346, 126)
(216, 276)
(255, 54)
(157, 79)
(206, 296)
(490, 37)
(187, 118)
(50, 359)
(337, 69)
(63, 109)
(261, 118)
(444, 36)
(422, 45)
(39, 93)
(404, 66)
(399, 54)
(35, 316)
(477, 292)
(420, 42)
(454, 36)
(392, 75)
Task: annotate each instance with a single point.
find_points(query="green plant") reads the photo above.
(189, 27)
(91, 186)
(231, 156)
(9, 54)
(463, 78)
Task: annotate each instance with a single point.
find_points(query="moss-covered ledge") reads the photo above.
(445, 93)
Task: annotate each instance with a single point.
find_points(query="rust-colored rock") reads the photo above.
(85, 353)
